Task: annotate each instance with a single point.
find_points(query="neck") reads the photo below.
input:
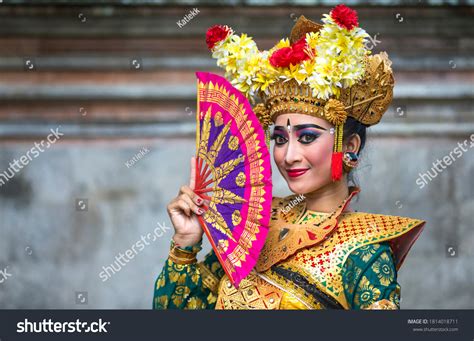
(328, 198)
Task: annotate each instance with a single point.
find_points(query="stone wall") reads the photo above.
(117, 78)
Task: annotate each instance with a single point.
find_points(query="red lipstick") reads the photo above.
(295, 172)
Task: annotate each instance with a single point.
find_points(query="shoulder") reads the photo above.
(368, 228)
(366, 254)
(372, 219)
(361, 230)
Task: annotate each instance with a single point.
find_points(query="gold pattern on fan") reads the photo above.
(220, 195)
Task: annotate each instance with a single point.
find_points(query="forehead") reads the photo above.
(297, 119)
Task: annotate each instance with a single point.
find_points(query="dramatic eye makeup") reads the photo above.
(280, 135)
(306, 136)
(305, 133)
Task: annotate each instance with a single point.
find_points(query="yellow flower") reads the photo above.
(281, 44)
(312, 39)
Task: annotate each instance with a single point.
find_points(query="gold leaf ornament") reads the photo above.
(263, 115)
(334, 112)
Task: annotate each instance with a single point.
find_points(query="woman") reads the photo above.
(321, 89)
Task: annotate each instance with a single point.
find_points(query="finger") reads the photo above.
(184, 207)
(195, 208)
(192, 179)
(175, 207)
(194, 197)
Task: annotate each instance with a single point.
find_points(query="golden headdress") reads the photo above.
(325, 71)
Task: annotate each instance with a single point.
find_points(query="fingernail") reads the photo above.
(200, 211)
(199, 201)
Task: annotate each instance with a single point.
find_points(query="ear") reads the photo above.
(353, 144)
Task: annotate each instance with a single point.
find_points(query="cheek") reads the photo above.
(319, 154)
(278, 155)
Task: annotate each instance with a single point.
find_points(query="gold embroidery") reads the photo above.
(211, 298)
(209, 280)
(297, 236)
(195, 303)
(180, 294)
(161, 301)
(322, 263)
(176, 273)
(160, 283)
(309, 301)
(395, 296)
(368, 251)
(382, 305)
(384, 270)
(367, 293)
(289, 302)
(253, 293)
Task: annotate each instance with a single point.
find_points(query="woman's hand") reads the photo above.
(183, 211)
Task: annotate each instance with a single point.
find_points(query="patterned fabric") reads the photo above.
(182, 286)
(369, 275)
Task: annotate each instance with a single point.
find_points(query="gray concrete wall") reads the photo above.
(83, 78)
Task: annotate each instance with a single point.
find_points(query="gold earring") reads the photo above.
(350, 161)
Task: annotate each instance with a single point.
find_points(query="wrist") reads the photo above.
(184, 241)
(184, 254)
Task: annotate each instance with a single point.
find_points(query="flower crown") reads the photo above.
(326, 60)
(324, 70)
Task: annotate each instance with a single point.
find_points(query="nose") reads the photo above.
(292, 154)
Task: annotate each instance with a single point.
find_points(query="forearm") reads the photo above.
(187, 286)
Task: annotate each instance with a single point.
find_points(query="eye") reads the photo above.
(279, 139)
(307, 137)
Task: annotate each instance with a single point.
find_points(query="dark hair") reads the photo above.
(351, 127)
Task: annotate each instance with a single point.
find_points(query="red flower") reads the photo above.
(294, 54)
(344, 17)
(216, 34)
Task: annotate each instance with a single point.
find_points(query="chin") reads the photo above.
(298, 186)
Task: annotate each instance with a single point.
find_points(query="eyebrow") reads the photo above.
(301, 126)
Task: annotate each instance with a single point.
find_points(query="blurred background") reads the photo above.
(116, 78)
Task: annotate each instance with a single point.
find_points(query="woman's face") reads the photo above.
(303, 150)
